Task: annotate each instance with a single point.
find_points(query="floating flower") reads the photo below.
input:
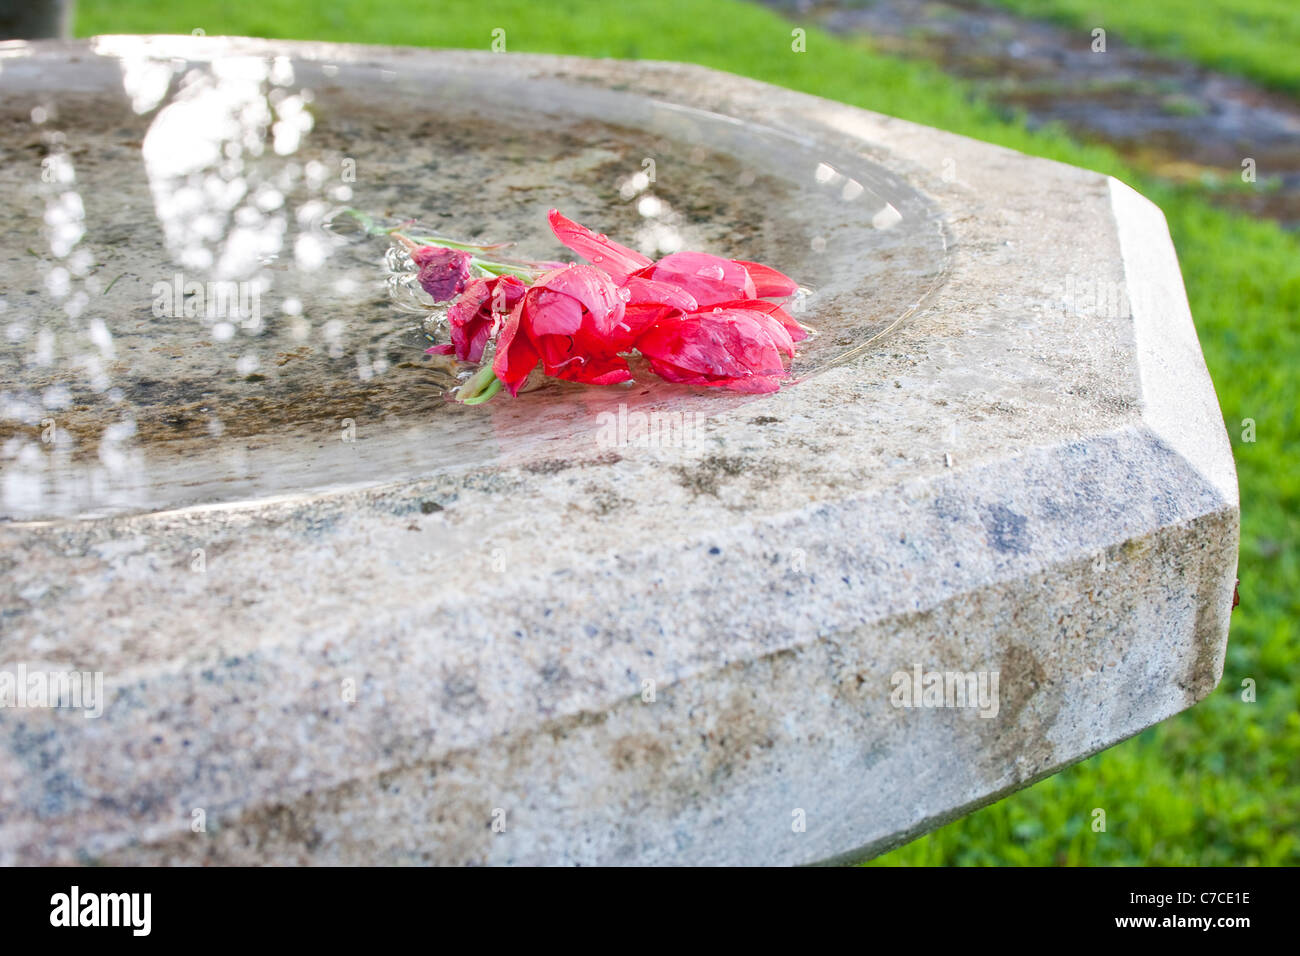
(473, 318)
(444, 273)
(709, 278)
(697, 318)
(572, 321)
(598, 249)
(731, 345)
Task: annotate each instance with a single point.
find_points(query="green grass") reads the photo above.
(1219, 784)
(1256, 38)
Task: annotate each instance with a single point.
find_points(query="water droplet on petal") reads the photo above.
(711, 272)
(625, 294)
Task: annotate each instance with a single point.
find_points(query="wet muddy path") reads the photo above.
(1169, 117)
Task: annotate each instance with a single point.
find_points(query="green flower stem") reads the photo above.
(485, 396)
(483, 385)
(451, 243)
(491, 267)
(367, 223)
(480, 387)
(502, 269)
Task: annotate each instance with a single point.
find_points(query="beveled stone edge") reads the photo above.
(922, 493)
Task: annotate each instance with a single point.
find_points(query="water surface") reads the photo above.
(183, 323)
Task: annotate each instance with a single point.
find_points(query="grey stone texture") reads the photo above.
(1018, 478)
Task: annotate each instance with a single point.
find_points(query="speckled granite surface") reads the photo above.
(445, 659)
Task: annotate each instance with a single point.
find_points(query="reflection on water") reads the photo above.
(186, 318)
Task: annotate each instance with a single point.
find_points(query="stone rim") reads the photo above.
(1156, 475)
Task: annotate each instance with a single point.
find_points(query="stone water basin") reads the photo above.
(339, 619)
(190, 321)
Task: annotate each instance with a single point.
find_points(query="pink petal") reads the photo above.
(709, 279)
(650, 302)
(444, 273)
(552, 313)
(791, 329)
(599, 250)
(642, 291)
(724, 344)
(516, 357)
(767, 281)
(595, 370)
(592, 289)
(750, 383)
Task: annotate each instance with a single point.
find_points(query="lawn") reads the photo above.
(1217, 785)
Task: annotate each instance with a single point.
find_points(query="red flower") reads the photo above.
(472, 319)
(700, 319)
(599, 250)
(444, 273)
(572, 321)
(768, 283)
(710, 279)
(647, 301)
(736, 345)
(697, 318)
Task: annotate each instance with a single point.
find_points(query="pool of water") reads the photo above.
(182, 321)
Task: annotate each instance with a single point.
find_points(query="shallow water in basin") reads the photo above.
(181, 321)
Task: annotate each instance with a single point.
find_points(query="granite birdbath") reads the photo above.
(988, 529)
